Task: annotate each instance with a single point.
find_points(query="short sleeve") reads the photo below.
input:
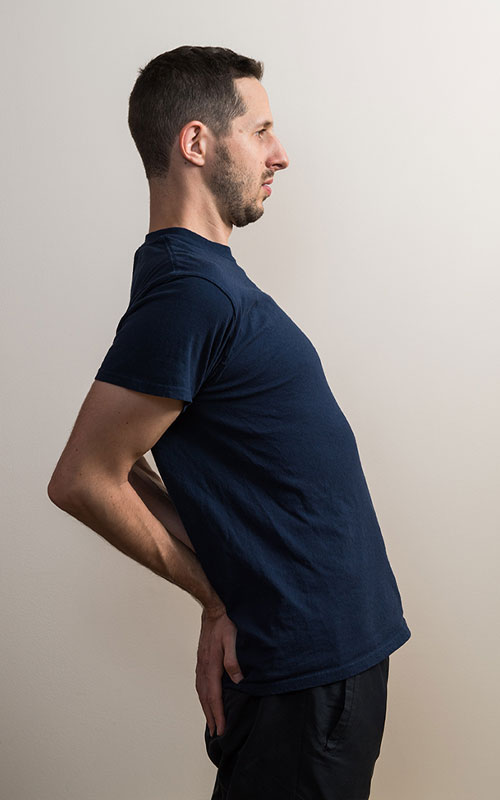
(170, 339)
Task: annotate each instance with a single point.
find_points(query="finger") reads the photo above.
(208, 716)
(215, 702)
(202, 692)
(231, 664)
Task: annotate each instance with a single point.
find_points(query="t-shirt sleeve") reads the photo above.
(170, 339)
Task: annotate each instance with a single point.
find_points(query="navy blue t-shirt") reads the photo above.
(261, 465)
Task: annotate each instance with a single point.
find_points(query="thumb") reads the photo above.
(235, 674)
(233, 668)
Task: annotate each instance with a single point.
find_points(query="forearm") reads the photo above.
(118, 514)
(142, 467)
(151, 489)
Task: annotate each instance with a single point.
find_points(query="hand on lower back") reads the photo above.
(216, 652)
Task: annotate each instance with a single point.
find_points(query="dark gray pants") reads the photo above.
(312, 744)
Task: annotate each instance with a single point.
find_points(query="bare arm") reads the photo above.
(117, 513)
(114, 428)
(152, 491)
(101, 479)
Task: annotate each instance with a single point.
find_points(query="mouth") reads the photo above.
(267, 187)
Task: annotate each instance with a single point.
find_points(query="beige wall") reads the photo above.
(381, 241)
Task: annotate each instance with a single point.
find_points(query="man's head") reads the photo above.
(201, 121)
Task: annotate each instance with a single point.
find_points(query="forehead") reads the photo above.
(257, 102)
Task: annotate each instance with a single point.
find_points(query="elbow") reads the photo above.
(57, 494)
(60, 491)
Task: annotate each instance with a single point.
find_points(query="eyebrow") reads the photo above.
(266, 124)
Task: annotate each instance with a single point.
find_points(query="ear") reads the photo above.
(194, 140)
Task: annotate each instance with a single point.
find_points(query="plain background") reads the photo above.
(381, 240)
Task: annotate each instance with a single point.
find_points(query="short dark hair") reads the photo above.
(187, 83)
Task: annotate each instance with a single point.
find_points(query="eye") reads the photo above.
(262, 131)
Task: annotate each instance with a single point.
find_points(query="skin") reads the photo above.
(212, 185)
(101, 477)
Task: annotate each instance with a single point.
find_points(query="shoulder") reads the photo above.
(202, 288)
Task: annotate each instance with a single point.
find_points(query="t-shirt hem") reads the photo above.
(326, 675)
(160, 389)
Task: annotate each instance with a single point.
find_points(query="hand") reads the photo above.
(216, 651)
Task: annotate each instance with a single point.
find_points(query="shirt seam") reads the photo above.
(182, 273)
(221, 361)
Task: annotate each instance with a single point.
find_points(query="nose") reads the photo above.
(279, 158)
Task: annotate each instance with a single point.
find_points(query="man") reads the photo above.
(262, 512)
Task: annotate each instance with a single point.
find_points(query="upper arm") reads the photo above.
(167, 344)
(114, 427)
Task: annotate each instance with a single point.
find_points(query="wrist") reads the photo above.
(213, 611)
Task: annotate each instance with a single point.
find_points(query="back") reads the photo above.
(262, 467)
